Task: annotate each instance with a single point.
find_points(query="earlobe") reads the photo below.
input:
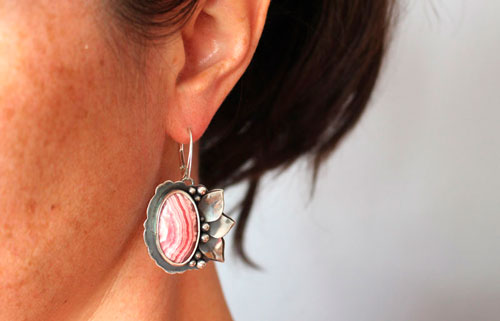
(218, 43)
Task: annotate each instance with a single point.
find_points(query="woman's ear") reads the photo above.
(218, 42)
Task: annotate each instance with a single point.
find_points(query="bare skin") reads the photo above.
(89, 125)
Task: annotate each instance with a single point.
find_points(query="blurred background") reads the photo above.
(405, 221)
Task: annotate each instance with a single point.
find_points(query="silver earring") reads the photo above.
(185, 224)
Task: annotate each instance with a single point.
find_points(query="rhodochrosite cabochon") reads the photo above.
(185, 226)
(178, 227)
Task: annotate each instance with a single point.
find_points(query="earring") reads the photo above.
(185, 223)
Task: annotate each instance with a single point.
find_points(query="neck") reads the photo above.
(137, 289)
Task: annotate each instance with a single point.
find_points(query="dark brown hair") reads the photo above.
(309, 82)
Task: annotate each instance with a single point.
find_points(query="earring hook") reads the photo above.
(186, 168)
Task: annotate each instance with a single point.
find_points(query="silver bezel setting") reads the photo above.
(212, 249)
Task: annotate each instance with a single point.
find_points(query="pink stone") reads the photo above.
(178, 227)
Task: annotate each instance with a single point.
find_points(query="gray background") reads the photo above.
(405, 222)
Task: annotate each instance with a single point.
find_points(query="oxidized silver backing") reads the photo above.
(213, 224)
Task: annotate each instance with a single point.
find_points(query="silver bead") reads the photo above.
(202, 190)
(197, 198)
(192, 190)
(197, 255)
(205, 237)
(202, 218)
(192, 263)
(205, 227)
(201, 264)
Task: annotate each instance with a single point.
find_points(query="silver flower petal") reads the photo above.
(213, 249)
(212, 205)
(221, 227)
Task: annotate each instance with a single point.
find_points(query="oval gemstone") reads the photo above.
(178, 227)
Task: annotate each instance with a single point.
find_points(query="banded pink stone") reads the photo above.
(178, 227)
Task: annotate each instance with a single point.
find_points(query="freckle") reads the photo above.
(30, 206)
(71, 89)
(101, 62)
(7, 231)
(53, 207)
(8, 114)
(49, 32)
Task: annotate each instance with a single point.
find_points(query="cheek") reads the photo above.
(79, 149)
